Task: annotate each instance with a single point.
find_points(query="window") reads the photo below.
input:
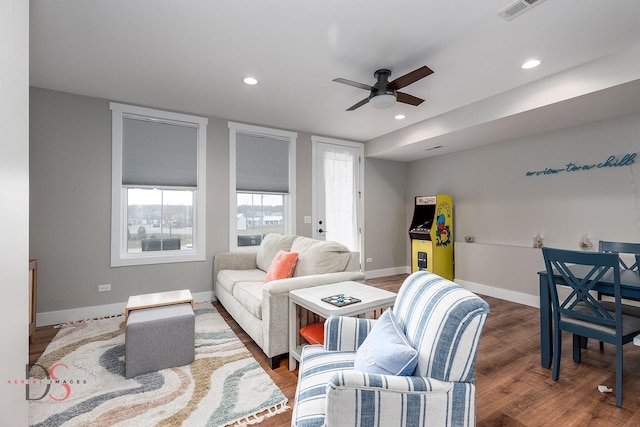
(259, 214)
(262, 183)
(158, 186)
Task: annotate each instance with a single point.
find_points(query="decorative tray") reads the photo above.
(340, 300)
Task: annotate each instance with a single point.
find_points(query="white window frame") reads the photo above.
(119, 255)
(289, 207)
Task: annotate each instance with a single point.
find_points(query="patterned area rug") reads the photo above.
(79, 381)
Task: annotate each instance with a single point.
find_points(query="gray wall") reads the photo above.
(493, 201)
(385, 215)
(70, 207)
(303, 183)
(14, 215)
(499, 206)
(71, 196)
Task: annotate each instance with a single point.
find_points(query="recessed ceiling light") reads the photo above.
(532, 63)
(400, 117)
(250, 81)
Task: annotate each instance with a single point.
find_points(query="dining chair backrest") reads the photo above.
(580, 303)
(621, 248)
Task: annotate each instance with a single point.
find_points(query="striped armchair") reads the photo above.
(441, 320)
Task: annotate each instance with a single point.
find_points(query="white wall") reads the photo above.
(497, 204)
(513, 278)
(14, 214)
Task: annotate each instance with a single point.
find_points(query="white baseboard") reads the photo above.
(75, 314)
(479, 288)
(374, 274)
(82, 313)
(505, 294)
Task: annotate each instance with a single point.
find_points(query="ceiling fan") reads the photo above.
(384, 93)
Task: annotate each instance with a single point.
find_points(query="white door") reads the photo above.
(337, 192)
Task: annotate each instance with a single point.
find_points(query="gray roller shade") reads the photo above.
(262, 164)
(159, 153)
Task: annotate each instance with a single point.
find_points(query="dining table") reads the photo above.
(629, 289)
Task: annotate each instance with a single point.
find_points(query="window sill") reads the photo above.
(147, 259)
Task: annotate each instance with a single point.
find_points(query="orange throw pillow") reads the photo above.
(313, 333)
(282, 266)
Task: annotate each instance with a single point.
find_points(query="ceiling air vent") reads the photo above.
(518, 8)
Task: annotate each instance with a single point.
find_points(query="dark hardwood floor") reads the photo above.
(512, 389)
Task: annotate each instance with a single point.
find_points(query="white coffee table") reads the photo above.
(311, 299)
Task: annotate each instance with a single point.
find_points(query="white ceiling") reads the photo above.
(191, 55)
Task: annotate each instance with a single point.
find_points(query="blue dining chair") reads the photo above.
(621, 248)
(618, 248)
(582, 314)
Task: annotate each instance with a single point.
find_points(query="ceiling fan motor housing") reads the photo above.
(381, 87)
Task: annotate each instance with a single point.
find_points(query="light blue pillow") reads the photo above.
(386, 350)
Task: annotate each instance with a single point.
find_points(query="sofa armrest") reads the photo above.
(343, 333)
(283, 286)
(433, 402)
(234, 261)
(275, 306)
(394, 383)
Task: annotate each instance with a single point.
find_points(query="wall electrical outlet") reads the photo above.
(104, 288)
(369, 259)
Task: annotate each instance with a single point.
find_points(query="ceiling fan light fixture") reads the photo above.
(382, 101)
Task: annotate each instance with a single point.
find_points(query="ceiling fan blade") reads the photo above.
(358, 105)
(352, 83)
(405, 98)
(411, 77)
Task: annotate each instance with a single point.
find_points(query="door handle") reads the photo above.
(321, 230)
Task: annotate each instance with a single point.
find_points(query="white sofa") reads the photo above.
(262, 309)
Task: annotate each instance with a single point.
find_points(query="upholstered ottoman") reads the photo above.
(158, 338)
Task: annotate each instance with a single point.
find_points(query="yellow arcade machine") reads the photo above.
(431, 235)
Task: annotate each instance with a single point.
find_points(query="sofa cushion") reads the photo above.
(319, 257)
(283, 266)
(271, 244)
(228, 278)
(249, 295)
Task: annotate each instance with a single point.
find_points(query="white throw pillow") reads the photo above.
(269, 247)
(319, 256)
